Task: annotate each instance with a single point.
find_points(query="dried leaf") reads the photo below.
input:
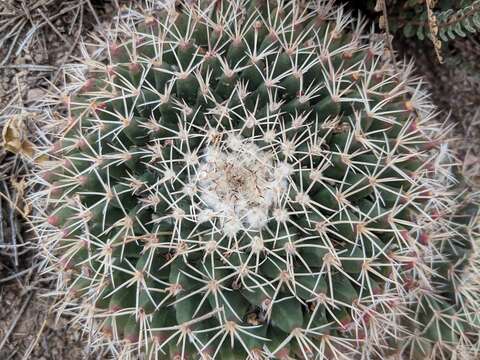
(433, 25)
(381, 22)
(27, 209)
(41, 159)
(19, 186)
(14, 137)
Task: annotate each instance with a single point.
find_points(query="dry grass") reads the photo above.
(23, 23)
(37, 37)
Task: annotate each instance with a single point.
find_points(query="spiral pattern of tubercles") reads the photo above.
(253, 179)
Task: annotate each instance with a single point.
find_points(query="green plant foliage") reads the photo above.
(454, 23)
(453, 18)
(252, 180)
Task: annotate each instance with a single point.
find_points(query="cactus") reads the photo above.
(256, 179)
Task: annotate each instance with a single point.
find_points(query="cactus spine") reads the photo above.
(253, 179)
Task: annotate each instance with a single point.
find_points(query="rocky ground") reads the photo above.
(44, 35)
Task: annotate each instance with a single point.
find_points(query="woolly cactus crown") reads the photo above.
(252, 179)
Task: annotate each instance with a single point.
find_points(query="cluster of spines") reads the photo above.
(362, 151)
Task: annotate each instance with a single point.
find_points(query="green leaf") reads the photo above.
(459, 30)
(476, 20)
(468, 25)
(421, 33)
(451, 33)
(409, 30)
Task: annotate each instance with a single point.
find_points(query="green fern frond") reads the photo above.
(452, 22)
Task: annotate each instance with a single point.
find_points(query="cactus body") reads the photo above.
(252, 179)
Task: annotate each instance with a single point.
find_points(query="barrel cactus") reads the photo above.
(256, 179)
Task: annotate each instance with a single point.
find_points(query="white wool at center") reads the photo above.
(241, 184)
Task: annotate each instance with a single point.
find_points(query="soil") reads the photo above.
(24, 307)
(55, 338)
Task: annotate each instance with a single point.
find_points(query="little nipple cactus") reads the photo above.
(255, 179)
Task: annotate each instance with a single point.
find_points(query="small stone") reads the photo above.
(34, 94)
(20, 60)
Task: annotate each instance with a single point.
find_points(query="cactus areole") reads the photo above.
(248, 179)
